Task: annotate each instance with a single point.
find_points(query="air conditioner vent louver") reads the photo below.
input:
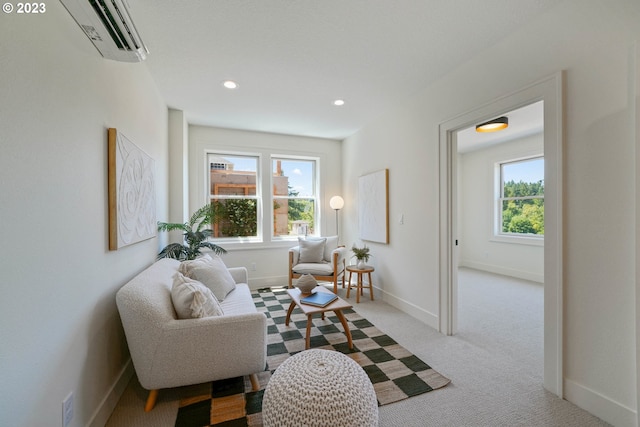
(91, 32)
(109, 26)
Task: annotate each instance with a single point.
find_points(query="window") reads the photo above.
(521, 198)
(294, 196)
(233, 190)
(240, 190)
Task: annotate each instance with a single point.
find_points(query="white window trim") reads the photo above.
(264, 240)
(241, 241)
(316, 197)
(498, 235)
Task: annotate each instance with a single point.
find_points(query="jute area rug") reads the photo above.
(396, 374)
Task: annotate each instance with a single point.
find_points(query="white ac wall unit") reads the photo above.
(110, 27)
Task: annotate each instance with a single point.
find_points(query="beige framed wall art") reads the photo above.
(132, 203)
(373, 206)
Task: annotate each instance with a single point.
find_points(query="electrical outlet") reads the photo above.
(67, 410)
(253, 266)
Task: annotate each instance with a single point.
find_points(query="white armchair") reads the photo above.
(320, 257)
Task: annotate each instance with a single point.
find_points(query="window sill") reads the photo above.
(248, 245)
(518, 240)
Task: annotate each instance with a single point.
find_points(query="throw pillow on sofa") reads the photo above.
(191, 299)
(212, 272)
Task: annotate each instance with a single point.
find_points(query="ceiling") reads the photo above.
(524, 121)
(293, 58)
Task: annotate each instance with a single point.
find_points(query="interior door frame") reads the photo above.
(549, 90)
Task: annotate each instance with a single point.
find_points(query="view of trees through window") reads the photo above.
(522, 197)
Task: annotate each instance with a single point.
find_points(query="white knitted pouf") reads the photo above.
(318, 388)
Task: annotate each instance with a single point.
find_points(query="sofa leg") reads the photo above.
(255, 382)
(151, 400)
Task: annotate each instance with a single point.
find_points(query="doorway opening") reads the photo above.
(549, 91)
(500, 187)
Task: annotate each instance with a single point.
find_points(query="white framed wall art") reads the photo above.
(373, 206)
(132, 204)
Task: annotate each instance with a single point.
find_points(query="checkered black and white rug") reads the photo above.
(396, 374)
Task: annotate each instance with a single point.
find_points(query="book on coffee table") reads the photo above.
(319, 299)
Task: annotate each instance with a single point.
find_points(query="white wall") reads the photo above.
(593, 41)
(59, 328)
(270, 258)
(479, 248)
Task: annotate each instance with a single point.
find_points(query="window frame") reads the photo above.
(257, 196)
(264, 197)
(498, 234)
(316, 195)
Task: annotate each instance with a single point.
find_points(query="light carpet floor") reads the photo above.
(495, 364)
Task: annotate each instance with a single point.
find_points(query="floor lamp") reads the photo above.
(336, 204)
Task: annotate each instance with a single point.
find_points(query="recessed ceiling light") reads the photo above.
(338, 102)
(230, 84)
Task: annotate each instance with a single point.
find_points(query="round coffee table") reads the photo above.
(367, 269)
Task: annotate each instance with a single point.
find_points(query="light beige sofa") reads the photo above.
(171, 352)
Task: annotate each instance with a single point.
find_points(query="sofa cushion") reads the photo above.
(311, 250)
(315, 269)
(191, 299)
(212, 272)
(239, 301)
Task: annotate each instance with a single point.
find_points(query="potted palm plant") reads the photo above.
(362, 255)
(196, 232)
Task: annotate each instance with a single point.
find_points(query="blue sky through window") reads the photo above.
(300, 174)
(525, 171)
(245, 164)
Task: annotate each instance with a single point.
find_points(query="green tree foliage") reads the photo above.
(523, 216)
(523, 189)
(296, 206)
(300, 209)
(236, 217)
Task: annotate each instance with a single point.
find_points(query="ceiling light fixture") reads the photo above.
(338, 102)
(230, 84)
(493, 125)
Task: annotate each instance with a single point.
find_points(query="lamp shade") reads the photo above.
(493, 125)
(336, 202)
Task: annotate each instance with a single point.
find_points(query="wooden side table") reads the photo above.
(360, 272)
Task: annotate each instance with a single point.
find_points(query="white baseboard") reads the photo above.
(266, 282)
(408, 307)
(601, 406)
(520, 274)
(108, 404)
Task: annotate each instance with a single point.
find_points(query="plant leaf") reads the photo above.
(170, 226)
(215, 248)
(173, 250)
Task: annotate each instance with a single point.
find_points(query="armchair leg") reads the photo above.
(255, 382)
(151, 400)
